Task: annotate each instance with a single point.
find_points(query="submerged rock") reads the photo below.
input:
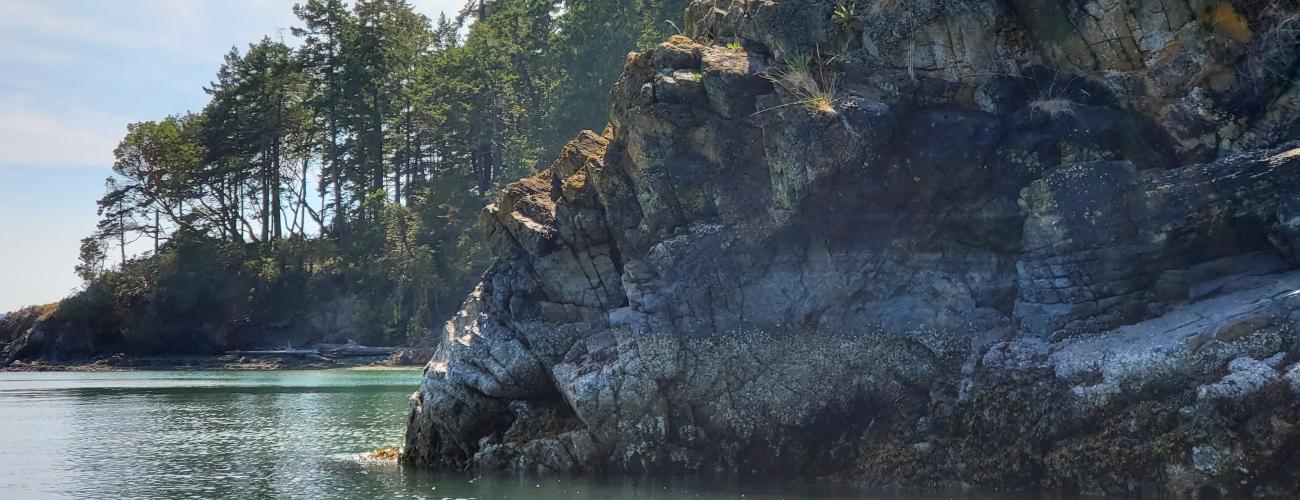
(1019, 245)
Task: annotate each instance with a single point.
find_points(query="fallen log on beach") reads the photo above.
(347, 350)
(323, 351)
(281, 352)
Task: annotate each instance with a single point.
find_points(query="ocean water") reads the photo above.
(282, 434)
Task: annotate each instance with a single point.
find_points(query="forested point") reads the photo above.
(329, 189)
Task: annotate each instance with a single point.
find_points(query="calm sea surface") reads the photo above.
(289, 434)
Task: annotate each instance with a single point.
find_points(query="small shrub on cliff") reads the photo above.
(799, 62)
(809, 80)
(846, 15)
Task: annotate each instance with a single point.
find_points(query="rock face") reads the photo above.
(52, 333)
(1000, 244)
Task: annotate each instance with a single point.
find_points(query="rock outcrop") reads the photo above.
(78, 330)
(995, 244)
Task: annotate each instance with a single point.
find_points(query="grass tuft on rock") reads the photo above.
(809, 80)
(1054, 108)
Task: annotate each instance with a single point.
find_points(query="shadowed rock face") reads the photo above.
(1025, 244)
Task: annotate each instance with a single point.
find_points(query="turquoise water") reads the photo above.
(287, 434)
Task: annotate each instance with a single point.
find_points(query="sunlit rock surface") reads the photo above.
(1026, 244)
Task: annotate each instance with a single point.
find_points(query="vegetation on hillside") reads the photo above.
(349, 161)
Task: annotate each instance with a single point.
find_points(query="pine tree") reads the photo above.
(327, 26)
(256, 108)
(408, 126)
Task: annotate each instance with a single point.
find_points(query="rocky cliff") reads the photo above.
(984, 243)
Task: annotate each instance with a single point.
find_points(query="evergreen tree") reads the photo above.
(327, 25)
(257, 109)
(407, 126)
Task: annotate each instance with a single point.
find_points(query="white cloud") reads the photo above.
(41, 137)
(40, 20)
(73, 73)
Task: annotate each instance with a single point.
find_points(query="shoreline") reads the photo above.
(212, 363)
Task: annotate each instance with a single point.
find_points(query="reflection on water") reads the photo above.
(196, 434)
(255, 435)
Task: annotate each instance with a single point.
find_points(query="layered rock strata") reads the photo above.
(995, 244)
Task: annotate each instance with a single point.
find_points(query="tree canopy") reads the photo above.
(362, 149)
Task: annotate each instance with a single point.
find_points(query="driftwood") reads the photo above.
(282, 352)
(355, 350)
(322, 351)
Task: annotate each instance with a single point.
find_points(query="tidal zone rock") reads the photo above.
(983, 244)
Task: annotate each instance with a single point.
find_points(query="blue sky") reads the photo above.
(73, 73)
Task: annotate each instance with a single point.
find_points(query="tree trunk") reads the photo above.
(236, 208)
(121, 235)
(397, 180)
(302, 195)
(278, 208)
(377, 141)
(336, 172)
(265, 178)
(156, 230)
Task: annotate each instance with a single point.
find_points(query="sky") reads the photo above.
(73, 74)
